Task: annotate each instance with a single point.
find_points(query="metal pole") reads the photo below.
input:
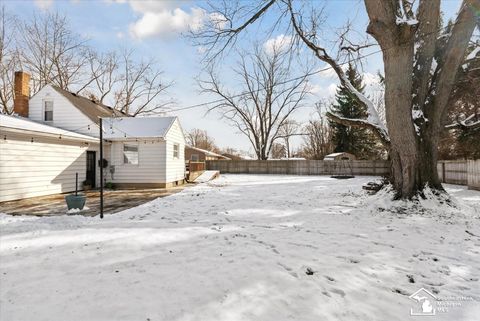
(101, 168)
(76, 184)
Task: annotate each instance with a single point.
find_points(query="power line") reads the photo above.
(306, 75)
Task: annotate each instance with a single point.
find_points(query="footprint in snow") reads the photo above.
(288, 269)
(400, 291)
(339, 292)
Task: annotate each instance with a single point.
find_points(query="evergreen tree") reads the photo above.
(358, 141)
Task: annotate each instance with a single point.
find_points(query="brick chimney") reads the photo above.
(22, 93)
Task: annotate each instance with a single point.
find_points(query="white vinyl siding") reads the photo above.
(151, 163)
(65, 115)
(175, 165)
(42, 167)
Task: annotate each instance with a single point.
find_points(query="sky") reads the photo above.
(155, 29)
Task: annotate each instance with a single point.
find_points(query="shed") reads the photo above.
(340, 156)
(146, 152)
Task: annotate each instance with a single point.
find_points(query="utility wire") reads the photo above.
(306, 75)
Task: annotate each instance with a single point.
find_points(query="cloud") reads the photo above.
(165, 19)
(279, 43)
(323, 91)
(43, 4)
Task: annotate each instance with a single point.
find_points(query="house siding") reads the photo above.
(151, 163)
(175, 166)
(42, 167)
(65, 115)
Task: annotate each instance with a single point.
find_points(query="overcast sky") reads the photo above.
(154, 29)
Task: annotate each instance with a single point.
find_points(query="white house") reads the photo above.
(35, 161)
(145, 152)
(55, 135)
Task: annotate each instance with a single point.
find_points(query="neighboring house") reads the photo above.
(231, 156)
(340, 156)
(55, 135)
(195, 154)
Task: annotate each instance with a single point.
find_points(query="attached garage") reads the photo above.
(37, 159)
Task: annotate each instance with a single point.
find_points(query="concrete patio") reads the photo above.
(114, 201)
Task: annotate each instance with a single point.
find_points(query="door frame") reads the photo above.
(90, 152)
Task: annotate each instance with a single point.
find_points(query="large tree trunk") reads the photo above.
(408, 91)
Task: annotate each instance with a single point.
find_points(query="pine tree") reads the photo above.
(357, 141)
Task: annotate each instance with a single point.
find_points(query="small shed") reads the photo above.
(340, 156)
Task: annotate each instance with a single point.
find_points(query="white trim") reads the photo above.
(45, 100)
(138, 154)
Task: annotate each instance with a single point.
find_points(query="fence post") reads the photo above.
(443, 172)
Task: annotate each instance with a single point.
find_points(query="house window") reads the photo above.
(130, 154)
(194, 157)
(176, 150)
(48, 110)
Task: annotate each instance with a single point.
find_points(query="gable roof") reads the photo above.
(26, 126)
(90, 108)
(120, 128)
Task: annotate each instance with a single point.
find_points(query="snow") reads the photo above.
(372, 118)
(207, 176)
(25, 124)
(246, 247)
(474, 53)
(206, 152)
(136, 127)
(77, 210)
(404, 20)
(434, 65)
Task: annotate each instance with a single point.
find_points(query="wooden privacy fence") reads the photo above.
(473, 174)
(195, 166)
(300, 167)
(453, 172)
(462, 172)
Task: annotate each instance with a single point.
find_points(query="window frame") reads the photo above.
(137, 146)
(176, 149)
(197, 157)
(44, 109)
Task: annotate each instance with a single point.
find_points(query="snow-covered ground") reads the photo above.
(246, 247)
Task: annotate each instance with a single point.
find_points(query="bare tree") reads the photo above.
(288, 129)
(278, 151)
(50, 51)
(8, 60)
(141, 86)
(414, 106)
(317, 141)
(266, 101)
(102, 75)
(199, 138)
